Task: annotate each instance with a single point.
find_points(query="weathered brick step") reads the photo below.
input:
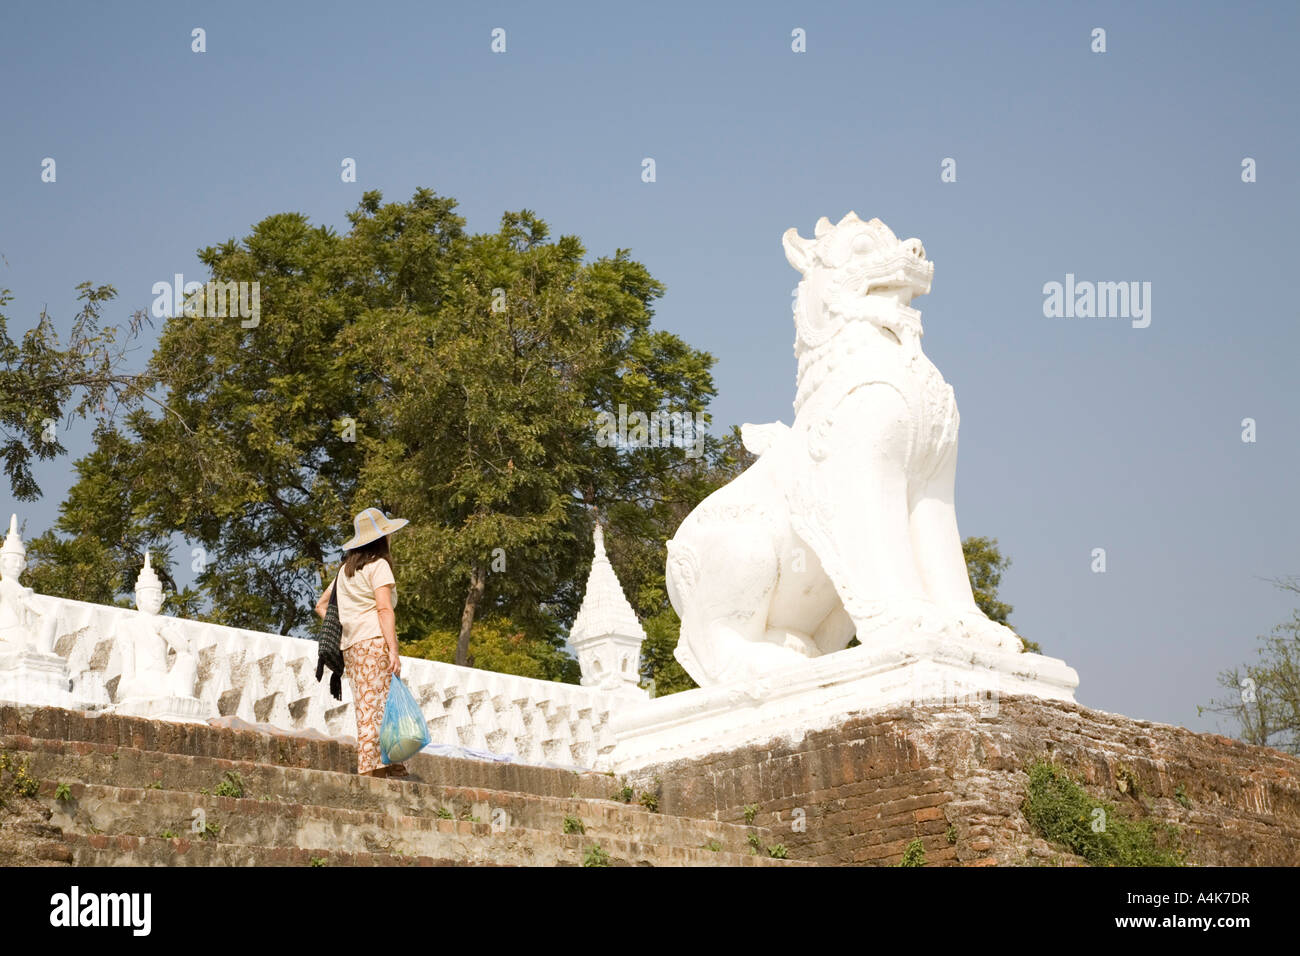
(142, 812)
(517, 847)
(58, 762)
(108, 732)
(32, 842)
(124, 850)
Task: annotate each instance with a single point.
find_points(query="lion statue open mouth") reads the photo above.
(845, 524)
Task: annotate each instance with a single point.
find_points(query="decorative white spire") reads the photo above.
(13, 543)
(605, 609)
(606, 633)
(148, 578)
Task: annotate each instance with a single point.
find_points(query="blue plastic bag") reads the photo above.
(403, 733)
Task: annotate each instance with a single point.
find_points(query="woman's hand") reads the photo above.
(323, 605)
(388, 625)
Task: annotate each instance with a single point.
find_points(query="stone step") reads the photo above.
(88, 849)
(28, 839)
(108, 732)
(112, 810)
(102, 849)
(56, 762)
(111, 785)
(268, 833)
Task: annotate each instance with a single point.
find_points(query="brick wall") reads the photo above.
(955, 779)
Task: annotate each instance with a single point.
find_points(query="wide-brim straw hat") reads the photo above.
(371, 525)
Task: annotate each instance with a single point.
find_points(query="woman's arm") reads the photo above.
(388, 625)
(323, 604)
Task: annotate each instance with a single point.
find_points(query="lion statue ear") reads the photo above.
(797, 252)
(823, 226)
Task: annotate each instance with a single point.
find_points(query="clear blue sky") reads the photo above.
(1122, 166)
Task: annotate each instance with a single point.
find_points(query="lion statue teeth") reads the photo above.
(845, 524)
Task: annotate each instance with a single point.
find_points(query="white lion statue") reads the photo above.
(845, 524)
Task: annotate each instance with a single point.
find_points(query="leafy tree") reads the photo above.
(42, 380)
(258, 465)
(985, 564)
(489, 442)
(388, 370)
(1264, 697)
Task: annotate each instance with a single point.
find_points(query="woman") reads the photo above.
(367, 596)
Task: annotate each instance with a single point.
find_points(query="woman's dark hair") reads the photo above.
(358, 558)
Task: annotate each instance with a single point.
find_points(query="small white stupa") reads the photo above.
(606, 633)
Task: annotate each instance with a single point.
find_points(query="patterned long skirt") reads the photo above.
(366, 666)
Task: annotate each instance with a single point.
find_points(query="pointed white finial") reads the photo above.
(148, 578)
(13, 543)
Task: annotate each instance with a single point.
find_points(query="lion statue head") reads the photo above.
(845, 264)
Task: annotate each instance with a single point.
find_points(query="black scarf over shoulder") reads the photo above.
(328, 653)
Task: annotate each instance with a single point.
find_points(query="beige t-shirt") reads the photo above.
(358, 612)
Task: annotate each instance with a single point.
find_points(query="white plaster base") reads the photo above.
(822, 692)
(187, 710)
(89, 690)
(30, 677)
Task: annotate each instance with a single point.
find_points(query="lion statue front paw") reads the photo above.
(991, 634)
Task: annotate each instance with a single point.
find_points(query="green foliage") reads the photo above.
(445, 814)
(951, 834)
(713, 846)
(154, 785)
(1064, 813)
(25, 785)
(449, 378)
(1126, 781)
(595, 856)
(1180, 794)
(318, 861)
(623, 794)
(496, 644)
(985, 564)
(62, 792)
(777, 851)
(1263, 698)
(211, 830)
(488, 440)
(657, 662)
(44, 380)
(231, 786)
(14, 778)
(755, 844)
(573, 825)
(650, 801)
(914, 855)
(751, 813)
(168, 835)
